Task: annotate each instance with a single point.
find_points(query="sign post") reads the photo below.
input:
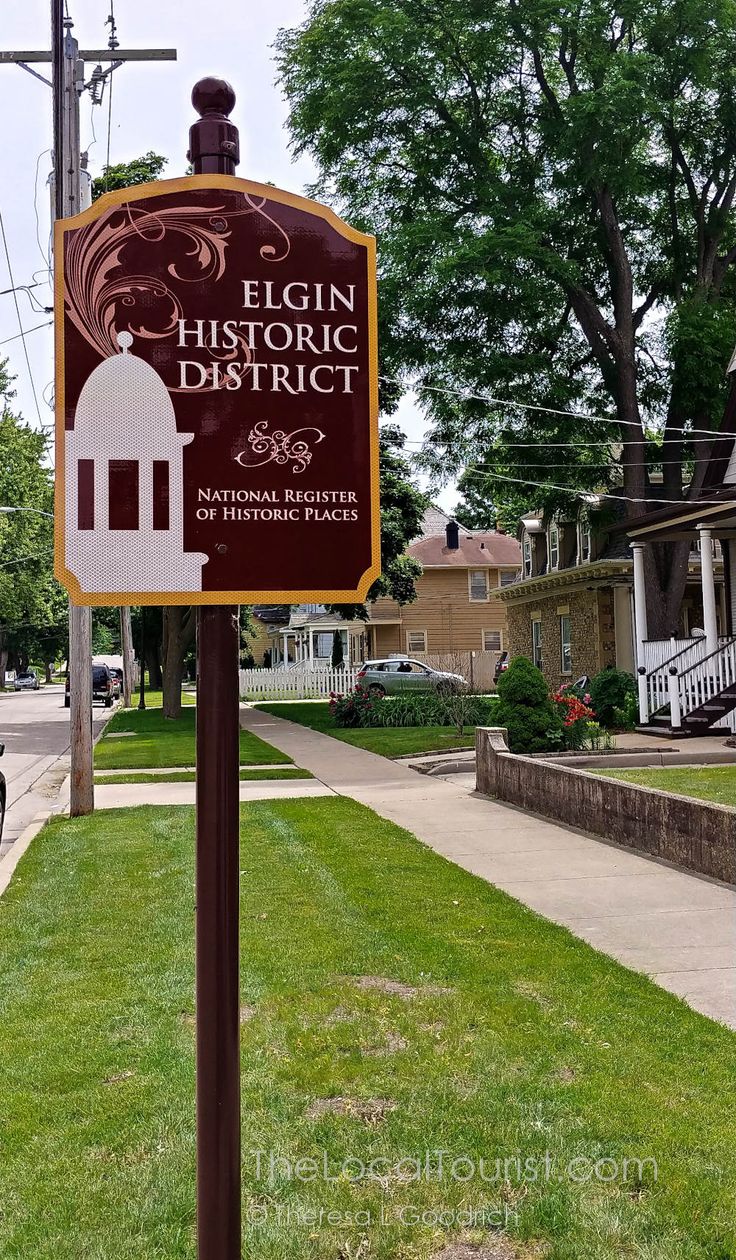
(214, 149)
(217, 444)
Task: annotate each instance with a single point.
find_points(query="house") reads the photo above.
(572, 610)
(454, 613)
(454, 610)
(688, 687)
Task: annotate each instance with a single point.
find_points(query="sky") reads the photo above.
(151, 109)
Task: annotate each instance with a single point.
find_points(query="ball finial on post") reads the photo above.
(213, 96)
(213, 139)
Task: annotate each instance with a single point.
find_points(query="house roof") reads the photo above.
(476, 551)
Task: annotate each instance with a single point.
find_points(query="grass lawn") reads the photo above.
(392, 1004)
(154, 699)
(188, 776)
(389, 741)
(158, 741)
(706, 783)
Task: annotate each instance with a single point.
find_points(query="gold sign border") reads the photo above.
(161, 188)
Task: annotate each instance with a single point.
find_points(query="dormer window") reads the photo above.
(527, 556)
(583, 542)
(553, 545)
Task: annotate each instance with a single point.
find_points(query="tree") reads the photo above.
(403, 506)
(124, 174)
(475, 509)
(552, 189)
(29, 595)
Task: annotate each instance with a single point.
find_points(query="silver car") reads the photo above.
(395, 674)
(26, 680)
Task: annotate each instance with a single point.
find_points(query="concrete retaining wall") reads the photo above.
(693, 834)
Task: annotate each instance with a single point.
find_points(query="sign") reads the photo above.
(217, 398)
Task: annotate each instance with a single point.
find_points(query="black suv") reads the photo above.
(102, 687)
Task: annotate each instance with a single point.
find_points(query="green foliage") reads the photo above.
(612, 692)
(124, 174)
(402, 508)
(33, 608)
(553, 192)
(365, 709)
(534, 723)
(523, 684)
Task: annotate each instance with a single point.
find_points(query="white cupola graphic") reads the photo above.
(124, 483)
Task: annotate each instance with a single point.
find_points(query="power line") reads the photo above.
(468, 396)
(25, 332)
(600, 494)
(20, 321)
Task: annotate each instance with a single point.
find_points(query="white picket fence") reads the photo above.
(294, 683)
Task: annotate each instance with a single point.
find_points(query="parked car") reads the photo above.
(387, 677)
(117, 680)
(102, 687)
(3, 796)
(26, 680)
(502, 665)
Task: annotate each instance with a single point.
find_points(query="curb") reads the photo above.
(21, 846)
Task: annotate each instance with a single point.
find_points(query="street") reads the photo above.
(34, 725)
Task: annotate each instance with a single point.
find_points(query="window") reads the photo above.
(553, 538)
(537, 643)
(565, 644)
(416, 641)
(160, 494)
(492, 641)
(479, 584)
(583, 542)
(527, 556)
(123, 493)
(85, 494)
(508, 577)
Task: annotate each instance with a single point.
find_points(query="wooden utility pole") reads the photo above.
(126, 642)
(214, 150)
(67, 84)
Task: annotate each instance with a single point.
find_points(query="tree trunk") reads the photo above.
(48, 669)
(179, 626)
(153, 660)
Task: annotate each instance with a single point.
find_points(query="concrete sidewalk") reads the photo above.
(125, 795)
(678, 928)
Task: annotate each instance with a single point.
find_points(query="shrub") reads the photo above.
(610, 690)
(362, 708)
(522, 683)
(533, 722)
(355, 709)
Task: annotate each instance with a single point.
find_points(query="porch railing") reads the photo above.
(695, 686)
(654, 685)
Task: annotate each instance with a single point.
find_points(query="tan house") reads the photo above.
(454, 614)
(455, 609)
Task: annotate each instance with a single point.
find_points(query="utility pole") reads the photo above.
(67, 80)
(67, 84)
(126, 642)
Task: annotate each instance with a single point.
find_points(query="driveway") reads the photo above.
(34, 725)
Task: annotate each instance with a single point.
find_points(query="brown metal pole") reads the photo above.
(213, 144)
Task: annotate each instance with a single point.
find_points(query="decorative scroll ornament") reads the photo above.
(279, 447)
(101, 292)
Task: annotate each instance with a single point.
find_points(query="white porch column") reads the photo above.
(311, 645)
(640, 626)
(710, 621)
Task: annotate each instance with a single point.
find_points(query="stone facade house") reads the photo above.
(571, 611)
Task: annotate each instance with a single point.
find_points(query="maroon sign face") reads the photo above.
(217, 399)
